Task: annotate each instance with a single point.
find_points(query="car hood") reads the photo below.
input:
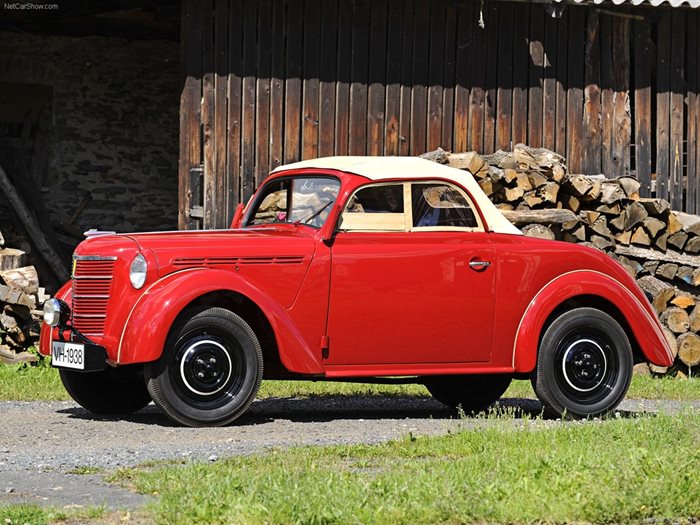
(188, 249)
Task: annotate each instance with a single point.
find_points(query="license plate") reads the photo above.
(68, 355)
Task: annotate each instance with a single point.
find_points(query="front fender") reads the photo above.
(46, 333)
(645, 327)
(151, 318)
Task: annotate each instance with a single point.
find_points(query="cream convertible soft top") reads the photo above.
(383, 168)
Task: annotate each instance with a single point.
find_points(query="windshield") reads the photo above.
(301, 200)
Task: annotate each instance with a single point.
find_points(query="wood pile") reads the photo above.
(660, 247)
(21, 300)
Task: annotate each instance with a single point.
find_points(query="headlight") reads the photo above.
(54, 312)
(137, 271)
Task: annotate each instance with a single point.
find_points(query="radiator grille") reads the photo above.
(92, 284)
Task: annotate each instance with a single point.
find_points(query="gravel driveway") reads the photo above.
(42, 443)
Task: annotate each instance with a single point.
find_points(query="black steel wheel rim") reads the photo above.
(208, 369)
(586, 366)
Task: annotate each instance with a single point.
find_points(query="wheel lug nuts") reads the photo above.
(212, 361)
(214, 374)
(200, 361)
(200, 375)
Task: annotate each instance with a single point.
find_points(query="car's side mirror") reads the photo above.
(237, 216)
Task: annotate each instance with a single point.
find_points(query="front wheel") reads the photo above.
(111, 391)
(473, 393)
(210, 370)
(584, 365)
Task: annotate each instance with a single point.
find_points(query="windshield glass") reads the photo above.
(302, 200)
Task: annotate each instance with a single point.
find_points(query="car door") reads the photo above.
(410, 282)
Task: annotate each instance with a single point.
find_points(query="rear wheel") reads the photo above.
(474, 393)
(119, 390)
(210, 370)
(584, 365)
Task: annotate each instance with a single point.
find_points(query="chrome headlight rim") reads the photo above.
(55, 312)
(138, 271)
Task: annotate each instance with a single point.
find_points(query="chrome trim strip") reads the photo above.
(94, 258)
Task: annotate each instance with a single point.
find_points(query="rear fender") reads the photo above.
(149, 322)
(645, 327)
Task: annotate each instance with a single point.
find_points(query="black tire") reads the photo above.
(584, 364)
(474, 393)
(210, 370)
(112, 391)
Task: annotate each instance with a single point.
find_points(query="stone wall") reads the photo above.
(114, 131)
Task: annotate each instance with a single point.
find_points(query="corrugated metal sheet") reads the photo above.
(655, 3)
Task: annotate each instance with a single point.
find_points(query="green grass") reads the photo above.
(34, 515)
(31, 383)
(41, 383)
(613, 471)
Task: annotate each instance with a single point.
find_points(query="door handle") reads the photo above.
(478, 265)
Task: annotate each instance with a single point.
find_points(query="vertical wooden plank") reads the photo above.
(521, 60)
(250, 58)
(189, 110)
(235, 99)
(492, 15)
(262, 94)
(549, 84)
(642, 104)
(622, 120)
(342, 94)
(591, 97)
(419, 94)
(663, 105)
(463, 69)
(677, 107)
(277, 85)
(207, 18)
(448, 91)
(575, 78)
(694, 46)
(435, 73)
(691, 123)
(607, 95)
(292, 95)
(358, 86)
(377, 77)
(393, 78)
(479, 102)
(536, 48)
(693, 194)
(220, 217)
(406, 78)
(311, 68)
(562, 83)
(504, 97)
(326, 125)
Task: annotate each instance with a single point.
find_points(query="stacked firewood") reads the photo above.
(658, 246)
(21, 298)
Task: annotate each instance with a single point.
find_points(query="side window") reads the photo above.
(378, 207)
(439, 204)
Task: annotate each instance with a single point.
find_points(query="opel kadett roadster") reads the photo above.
(348, 268)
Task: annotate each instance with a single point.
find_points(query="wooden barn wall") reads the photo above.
(274, 81)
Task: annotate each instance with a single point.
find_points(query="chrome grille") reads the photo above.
(92, 284)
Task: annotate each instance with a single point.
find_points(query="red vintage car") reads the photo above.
(355, 268)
